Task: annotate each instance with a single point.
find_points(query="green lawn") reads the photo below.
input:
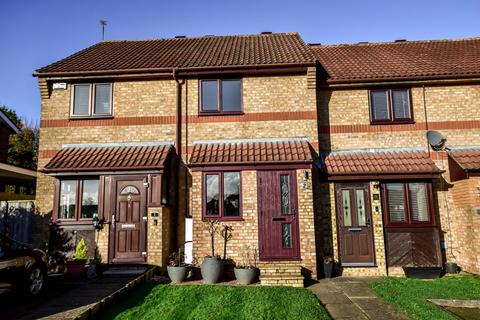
(152, 301)
(410, 295)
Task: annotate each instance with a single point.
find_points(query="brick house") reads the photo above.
(389, 199)
(270, 136)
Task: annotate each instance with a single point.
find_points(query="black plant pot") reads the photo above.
(212, 270)
(451, 267)
(327, 270)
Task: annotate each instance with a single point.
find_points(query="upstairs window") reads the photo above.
(222, 195)
(390, 106)
(92, 100)
(78, 199)
(221, 96)
(408, 203)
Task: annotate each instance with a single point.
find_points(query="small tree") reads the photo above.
(212, 228)
(226, 234)
(81, 251)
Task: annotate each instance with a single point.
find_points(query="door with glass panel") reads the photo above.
(278, 216)
(354, 223)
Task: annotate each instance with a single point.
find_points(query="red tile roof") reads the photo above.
(410, 60)
(468, 159)
(246, 152)
(109, 158)
(378, 162)
(186, 53)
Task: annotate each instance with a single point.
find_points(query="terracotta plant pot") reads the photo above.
(76, 269)
(177, 274)
(246, 275)
(212, 270)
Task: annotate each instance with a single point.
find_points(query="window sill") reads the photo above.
(96, 117)
(233, 113)
(382, 123)
(68, 222)
(205, 219)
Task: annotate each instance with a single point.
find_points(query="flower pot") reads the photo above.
(76, 269)
(451, 267)
(177, 273)
(327, 270)
(212, 270)
(246, 275)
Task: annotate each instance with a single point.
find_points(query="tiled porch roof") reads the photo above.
(379, 162)
(109, 157)
(467, 158)
(249, 152)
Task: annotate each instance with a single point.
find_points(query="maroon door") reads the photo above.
(354, 222)
(129, 221)
(278, 217)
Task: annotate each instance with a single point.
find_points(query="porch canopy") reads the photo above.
(379, 164)
(464, 162)
(252, 152)
(112, 157)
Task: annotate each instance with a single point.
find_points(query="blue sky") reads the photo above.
(36, 33)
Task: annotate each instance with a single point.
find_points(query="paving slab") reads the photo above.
(350, 298)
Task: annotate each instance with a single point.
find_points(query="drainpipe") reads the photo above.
(178, 147)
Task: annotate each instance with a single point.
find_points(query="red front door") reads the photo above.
(278, 216)
(129, 221)
(354, 223)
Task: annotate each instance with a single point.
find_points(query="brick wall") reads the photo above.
(465, 224)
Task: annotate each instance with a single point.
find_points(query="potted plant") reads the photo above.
(76, 267)
(247, 272)
(328, 263)
(212, 265)
(177, 269)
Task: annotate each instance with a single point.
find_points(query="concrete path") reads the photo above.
(350, 298)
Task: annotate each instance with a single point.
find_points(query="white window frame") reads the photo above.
(91, 101)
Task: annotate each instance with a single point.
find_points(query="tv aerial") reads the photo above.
(437, 141)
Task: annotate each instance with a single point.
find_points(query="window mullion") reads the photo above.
(221, 194)
(92, 97)
(219, 95)
(390, 106)
(78, 202)
(407, 203)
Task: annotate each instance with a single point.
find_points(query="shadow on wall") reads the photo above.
(442, 185)
(321, 191)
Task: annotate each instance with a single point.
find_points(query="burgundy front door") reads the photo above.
(277, 215)
(354, 223)
(129, 220)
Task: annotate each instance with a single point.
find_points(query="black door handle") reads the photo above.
(279, 219)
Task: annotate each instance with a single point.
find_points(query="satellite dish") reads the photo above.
(436, 140)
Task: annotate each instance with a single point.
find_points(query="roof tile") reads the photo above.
(186, 53)
(408, 60)
(251, 152)
(109, 158)
(379, 162)
(468, 159)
